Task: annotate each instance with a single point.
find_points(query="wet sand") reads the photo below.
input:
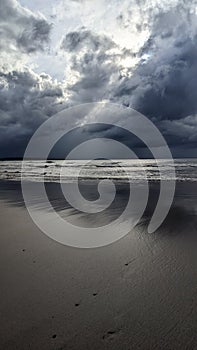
(138, 293)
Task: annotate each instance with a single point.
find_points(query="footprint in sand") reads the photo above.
(110, 334)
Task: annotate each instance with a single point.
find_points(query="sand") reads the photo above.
(138, 293)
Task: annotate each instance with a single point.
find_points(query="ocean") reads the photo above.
(119, 170)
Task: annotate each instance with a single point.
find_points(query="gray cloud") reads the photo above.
(94, 63)
(162, 86)
(26, 100)
(167, 77)
(75, 41)
(20, 29)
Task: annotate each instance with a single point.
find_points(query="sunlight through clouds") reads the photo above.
(56, 54)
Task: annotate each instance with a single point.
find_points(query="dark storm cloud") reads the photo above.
(164, 85)
(26, 100)
(168, 76)
(21, 29)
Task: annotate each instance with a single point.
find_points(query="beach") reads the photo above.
(137, 293)
(98, 175)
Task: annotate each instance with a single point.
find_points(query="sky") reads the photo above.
(62, 53)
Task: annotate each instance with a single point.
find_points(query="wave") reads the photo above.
(119, 170)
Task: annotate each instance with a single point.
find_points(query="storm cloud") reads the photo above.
(162, 86)
(26, 101)
(156, 77)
